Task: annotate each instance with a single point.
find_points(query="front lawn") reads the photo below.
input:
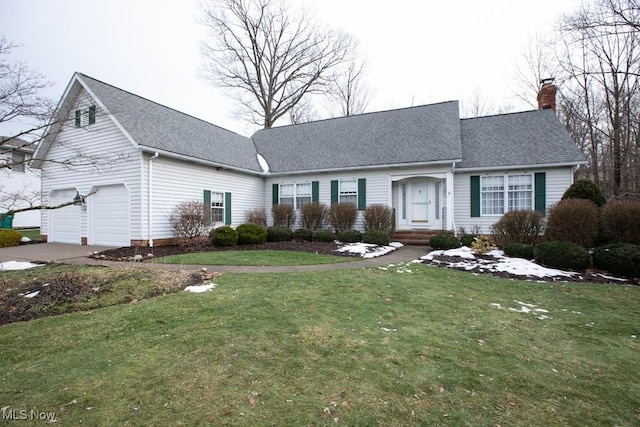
(253, 257)
(409, 345)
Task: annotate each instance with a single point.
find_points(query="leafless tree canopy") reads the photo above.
(273, 57)
(349, 90)
(600, 60)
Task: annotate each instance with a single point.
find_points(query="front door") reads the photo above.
(419, 203)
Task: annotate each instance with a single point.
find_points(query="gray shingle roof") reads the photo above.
(429, 133)
(158, 127)
(517, 139)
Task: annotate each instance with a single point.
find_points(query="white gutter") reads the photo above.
(150, 198)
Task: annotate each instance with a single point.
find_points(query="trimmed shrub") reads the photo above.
(323, 236)
(585, 189)
(303, 234)
(283, 215)
(187, 220)
(257, 216)
(278, 233)
(563, 255)
(467, 239)
(573, 220)
(621, 222)
(444, 241)
(9, 237)
(379, 217)
(481, 245)
(519, 250)
(224, 236)
(342, 216)
(251, 234)
(350, 236)
(376, 237)
(618, 258)
(518, 227)
(314, 215)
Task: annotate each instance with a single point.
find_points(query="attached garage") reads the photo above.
(64, 223)
(109, 216)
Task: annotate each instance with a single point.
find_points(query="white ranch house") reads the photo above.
(438, 172)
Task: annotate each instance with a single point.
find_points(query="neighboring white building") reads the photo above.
(437, 171)
(19, 183)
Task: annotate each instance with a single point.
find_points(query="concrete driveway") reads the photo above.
(60, 252)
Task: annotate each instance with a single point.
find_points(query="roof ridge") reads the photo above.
(501, 114)
(358, 115)
(159, 104)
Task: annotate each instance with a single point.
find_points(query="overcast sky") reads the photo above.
(419, 51)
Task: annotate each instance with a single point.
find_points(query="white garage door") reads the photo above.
(64, 223)
(109, 216)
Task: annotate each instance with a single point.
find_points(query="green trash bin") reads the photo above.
(7, 222)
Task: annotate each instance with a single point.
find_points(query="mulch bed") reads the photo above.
(586, 276)
(127, 253)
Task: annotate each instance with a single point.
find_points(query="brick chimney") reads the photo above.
(547, 95)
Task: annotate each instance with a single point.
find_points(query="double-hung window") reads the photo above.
(348, 191)
(520, 192)
(295, 195)
(492, 195)
(504, 193)
(217, 207)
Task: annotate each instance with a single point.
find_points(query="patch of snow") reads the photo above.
(496, 305)
(25, 239)
(263, 163)
(32, 294)
(610, 277)
(200, 288)
(388, 330)
(369, 250)
(17, 265)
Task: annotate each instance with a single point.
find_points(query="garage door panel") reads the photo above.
(109, 213)
(64, 223)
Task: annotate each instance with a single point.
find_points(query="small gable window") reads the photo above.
(85, 117)
(17, 162)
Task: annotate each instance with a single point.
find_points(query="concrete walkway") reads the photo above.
(77, 254)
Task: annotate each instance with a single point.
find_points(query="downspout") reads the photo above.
(150, 198)
(453, 200)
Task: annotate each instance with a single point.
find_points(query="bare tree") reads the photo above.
(477, 105)
(271, 56)
(349, 91)
(27, 118)
(601, 67)
(538, 62)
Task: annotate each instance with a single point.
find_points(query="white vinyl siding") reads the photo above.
(117, 162)
(175, 181)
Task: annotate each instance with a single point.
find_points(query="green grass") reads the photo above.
(310, 349)
(260, 257)
(32, 233)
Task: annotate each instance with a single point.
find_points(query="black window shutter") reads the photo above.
(227, 208)
(315, 191)
(274, 194)
(334, 192)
